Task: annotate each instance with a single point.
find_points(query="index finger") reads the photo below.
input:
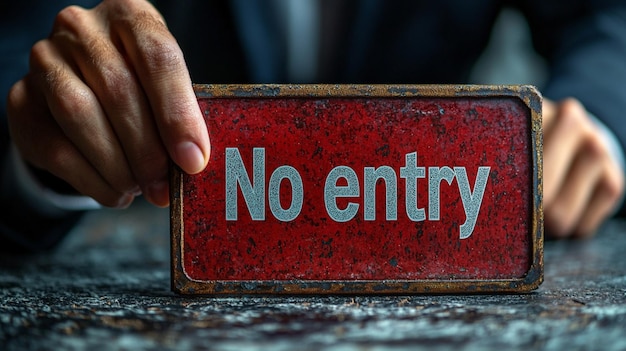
(161, 69)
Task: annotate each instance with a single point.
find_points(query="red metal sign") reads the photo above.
(362, 189)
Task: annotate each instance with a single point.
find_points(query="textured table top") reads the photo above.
(108, 288)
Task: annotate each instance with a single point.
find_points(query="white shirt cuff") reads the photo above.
(41, 198)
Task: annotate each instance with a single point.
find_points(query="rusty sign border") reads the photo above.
(183, 284)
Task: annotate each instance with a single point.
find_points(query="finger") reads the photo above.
(548, 114)
(114, 83)
(79, 115)
(569, 129)
(607, 194)
(163, 74)
(43, 144)
(564, 214)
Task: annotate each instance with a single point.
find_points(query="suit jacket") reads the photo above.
(368, 41)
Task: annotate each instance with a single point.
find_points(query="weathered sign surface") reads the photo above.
(346, 189)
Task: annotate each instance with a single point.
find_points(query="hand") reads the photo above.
(582, 182)
(107, 102)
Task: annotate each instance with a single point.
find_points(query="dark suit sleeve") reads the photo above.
(585, 44)
(23, 228)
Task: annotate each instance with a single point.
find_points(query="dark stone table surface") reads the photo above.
(107, 288)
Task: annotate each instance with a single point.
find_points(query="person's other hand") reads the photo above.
(582, 181)
(107, 101)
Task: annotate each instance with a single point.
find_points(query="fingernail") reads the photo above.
(158, 193)
(136, 191)
(189, 157)
(125, 201)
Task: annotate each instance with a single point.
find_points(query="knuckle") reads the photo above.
(124, 9)
(40, 55)
(70, 18)
(572, 105)
(157, 47)
(118, 83)
(145, 18)
(162, 54)
(573, 115)
(50, 75)
(55, 79)
(74, 104)
(15, 99)
(114, 81)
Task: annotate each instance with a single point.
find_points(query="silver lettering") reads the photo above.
(297, 193)
(372, 175)
(332, 192)
(471, 199)
(253, 191)
(236, 174)
(435, 176)
(410, 172)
